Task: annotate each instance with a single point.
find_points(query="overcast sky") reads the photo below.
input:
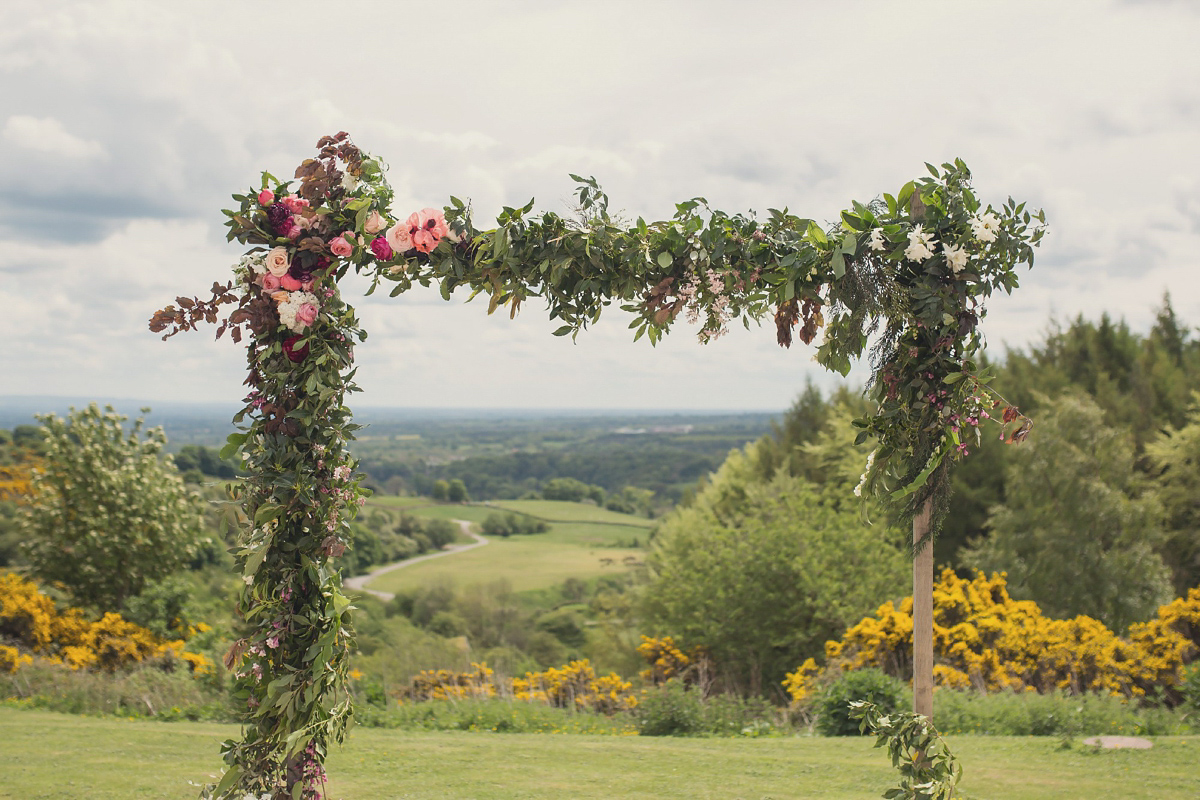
(126, 126)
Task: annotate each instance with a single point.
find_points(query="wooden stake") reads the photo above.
(923, 615)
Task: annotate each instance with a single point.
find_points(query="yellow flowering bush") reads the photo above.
(665, 658)
(574, 685)
(444, 684)
(30, 620)
(986, 640)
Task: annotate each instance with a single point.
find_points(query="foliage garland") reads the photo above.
(912, 268)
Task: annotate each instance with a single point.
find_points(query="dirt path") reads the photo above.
(359, 582)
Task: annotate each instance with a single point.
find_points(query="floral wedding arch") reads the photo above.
(909, 272)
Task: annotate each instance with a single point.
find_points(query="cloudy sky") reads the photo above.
(126, 125)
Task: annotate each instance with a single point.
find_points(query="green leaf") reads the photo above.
(564, 330)
(665, 259)
(228, 781)
(838, 262)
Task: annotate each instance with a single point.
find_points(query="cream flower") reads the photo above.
(956, 257)
(877, 242)
(920, 245)
(278, 261)
(984, 227)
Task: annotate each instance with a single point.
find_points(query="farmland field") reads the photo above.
(528, 562)
(562, 511)
(50, 756)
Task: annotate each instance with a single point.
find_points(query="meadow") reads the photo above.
(584, 541)
(48, 756)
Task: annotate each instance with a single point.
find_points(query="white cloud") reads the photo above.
(135, 127)
(47, 135)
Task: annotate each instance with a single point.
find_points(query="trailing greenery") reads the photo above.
(928, 770)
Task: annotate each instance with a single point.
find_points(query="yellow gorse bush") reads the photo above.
(30, 620)
(986, 640)
(665, 658)
(574, 685)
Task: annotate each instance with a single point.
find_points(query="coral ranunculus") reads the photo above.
(266, 197)
(427, 227)
(294, 354)
(289, 283)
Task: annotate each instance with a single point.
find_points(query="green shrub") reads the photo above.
(145, 691)
(491, 716)
(670, 710)
(1054, 714)
(677, 710)
(1189, 688)
(868, 685)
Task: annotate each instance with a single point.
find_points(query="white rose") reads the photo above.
(278, 261)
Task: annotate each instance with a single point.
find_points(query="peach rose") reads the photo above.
(399, 238)
(375, 223)
(278, 261)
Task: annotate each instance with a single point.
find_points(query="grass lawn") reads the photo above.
(528, 562)
(48, 756)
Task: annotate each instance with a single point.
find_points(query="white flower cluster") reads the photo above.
(251, 264)
(920, 245)
(984, 227)
(862, 481)
(290, 308)
(956, 257)
(877, 242)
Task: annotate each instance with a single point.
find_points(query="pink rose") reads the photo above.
(375, 223)
(270, 283)
(399, 237)
(289, 283)
(266, 197)
(295, 231)
(340, 247)
(381, 248)
(307, 314)
(278, 261)
(294, 203)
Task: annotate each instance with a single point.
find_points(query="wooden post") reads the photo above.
(923, 615)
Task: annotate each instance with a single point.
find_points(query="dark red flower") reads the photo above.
(381, 249)
(280, 218)
(294, 354)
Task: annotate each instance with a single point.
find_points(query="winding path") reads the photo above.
(359, 582)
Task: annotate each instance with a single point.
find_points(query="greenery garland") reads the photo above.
(912, 270)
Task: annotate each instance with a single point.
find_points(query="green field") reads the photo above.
(48, 756)
(528, 562)
(562, 511)
(576, 546)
